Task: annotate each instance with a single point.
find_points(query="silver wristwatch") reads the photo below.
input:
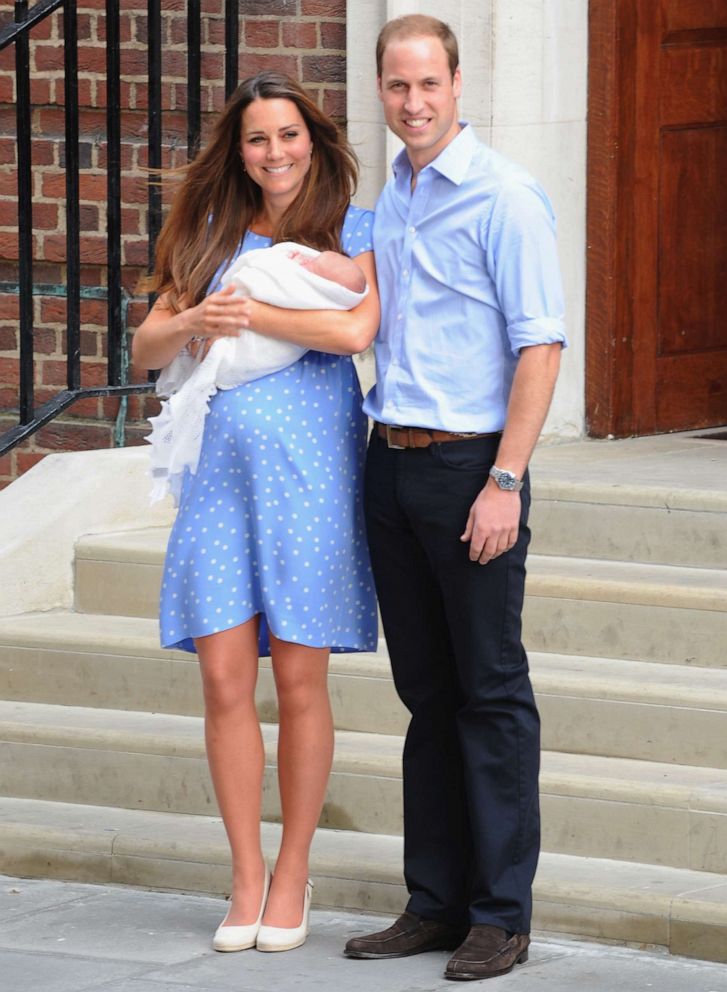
(506, 480)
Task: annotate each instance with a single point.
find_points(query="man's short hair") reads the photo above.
(417, 26)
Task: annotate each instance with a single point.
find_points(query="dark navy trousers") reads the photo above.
(453, 630)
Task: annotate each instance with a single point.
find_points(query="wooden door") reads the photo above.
(656, 322)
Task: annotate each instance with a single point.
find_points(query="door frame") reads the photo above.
(609, 229)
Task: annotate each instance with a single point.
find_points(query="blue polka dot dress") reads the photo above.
(272, 521)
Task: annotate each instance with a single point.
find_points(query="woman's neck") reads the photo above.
(268, 219)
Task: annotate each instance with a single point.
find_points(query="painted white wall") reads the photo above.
(524, 69)
(46, 510)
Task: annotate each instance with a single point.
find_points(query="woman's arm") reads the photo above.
(164, 333)
(338, 332)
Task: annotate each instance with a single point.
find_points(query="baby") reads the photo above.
(334, 266)
(257, 356)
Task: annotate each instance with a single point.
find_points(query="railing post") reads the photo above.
(232, 45)
(25, 217)
(194, 40)
(113, 206)
(155, 121)
(73, 225)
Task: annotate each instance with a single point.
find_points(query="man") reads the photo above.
(466, 358)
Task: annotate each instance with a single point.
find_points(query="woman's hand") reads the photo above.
(219, 315)
(164, 333)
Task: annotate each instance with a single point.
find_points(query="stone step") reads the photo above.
(631, 709)
(628, 523)
(683, 911)
(157, 761)
(601, 608)
(662, 586)
(608, 807)
(115, 662)
(604, 706)
(625, 610)
(657, 499)
(120, 573)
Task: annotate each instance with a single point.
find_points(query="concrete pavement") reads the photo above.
(67, 937)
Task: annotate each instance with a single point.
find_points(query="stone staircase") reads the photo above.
(104, 777)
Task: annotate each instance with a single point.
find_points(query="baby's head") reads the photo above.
(334, 266)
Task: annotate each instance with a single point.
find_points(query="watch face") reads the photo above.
(504, 479)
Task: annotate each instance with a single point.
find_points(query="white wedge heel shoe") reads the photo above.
(241, 938)
(286, 938)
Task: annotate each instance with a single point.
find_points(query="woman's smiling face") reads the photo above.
(276, 149)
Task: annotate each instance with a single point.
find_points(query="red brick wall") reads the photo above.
(305, 38)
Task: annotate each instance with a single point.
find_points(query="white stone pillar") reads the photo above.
(539, 101)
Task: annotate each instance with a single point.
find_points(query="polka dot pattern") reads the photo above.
(272, 521)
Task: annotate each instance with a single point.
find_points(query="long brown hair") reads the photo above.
(217, 201)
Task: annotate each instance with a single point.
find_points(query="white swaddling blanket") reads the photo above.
(267, 275)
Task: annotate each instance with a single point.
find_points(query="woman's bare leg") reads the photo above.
(305, 753)
(229, 666)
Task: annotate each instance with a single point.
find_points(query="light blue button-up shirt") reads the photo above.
(468, 275)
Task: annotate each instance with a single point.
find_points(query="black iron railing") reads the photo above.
(17, 33)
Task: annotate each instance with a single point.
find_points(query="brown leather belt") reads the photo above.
(421, 437)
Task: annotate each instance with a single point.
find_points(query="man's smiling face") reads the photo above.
(419, 95)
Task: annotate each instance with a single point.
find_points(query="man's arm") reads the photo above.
(492, 525)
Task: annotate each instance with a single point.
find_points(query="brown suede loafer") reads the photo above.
(486, 953)
(410, 934)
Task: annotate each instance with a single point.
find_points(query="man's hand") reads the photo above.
(492, 524)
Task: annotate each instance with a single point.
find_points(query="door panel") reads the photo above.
(693, 81)
(657, 268)
(691, 15)
(678, 402)
(692, 247)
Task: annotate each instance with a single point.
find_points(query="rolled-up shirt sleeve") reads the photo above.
(522, 260)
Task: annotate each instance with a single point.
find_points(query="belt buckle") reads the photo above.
(389, 443)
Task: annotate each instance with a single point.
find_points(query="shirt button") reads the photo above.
(405, 273)
(412, 230)
(399, 316)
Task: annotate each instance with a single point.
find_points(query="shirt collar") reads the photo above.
(452, 162)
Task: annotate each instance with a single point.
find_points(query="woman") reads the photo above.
(267, 554)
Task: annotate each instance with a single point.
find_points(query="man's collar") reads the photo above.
(452, 162)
